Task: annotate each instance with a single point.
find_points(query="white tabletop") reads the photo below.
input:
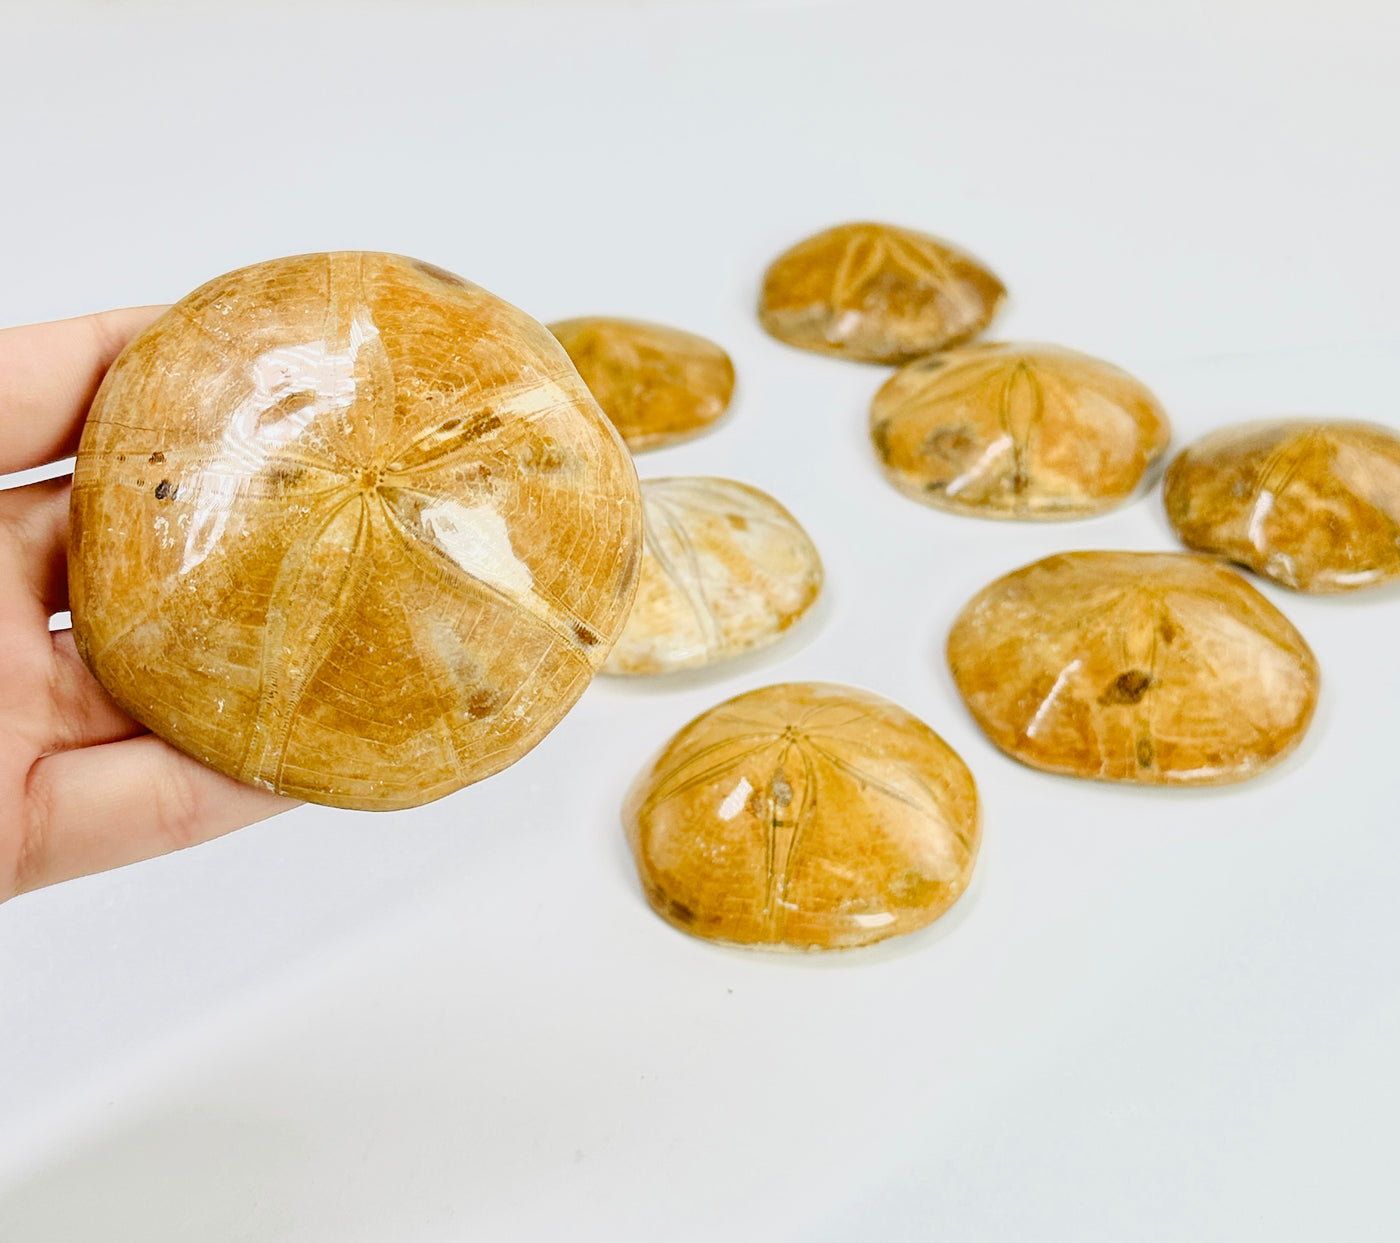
(1157, 1015)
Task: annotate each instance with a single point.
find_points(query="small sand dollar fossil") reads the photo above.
(725, 570)
(1161, 668)
(877, 293)
(1312, 504)
(1016, 431)
(658, 385)
(804, 816)
(351, 528)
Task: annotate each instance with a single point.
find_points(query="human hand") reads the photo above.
(83, 787)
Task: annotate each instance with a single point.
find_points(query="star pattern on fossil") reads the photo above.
(800, 754)
(874, 251)
(372, 536)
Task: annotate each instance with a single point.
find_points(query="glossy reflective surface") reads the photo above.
(658, 385)
(351, 528)
(877, 293)
(1312, 504)
(1016, 431)
(804, 816)
(725, 570)
(1162, 668)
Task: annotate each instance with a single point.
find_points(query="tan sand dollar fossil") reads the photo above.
(877, 293)
(657, 384)
(351, 528)
(804, 816)
(1162, 668)
(1007, 430)
(725, 570)
(1313, 504)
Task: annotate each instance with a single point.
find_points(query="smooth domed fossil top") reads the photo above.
(1313, 504)
(877, 293)
(804, 816)
(351, 528)
(1015, 430)
(1158, 668)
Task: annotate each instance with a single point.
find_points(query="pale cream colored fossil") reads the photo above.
(1004, 430)
(1313, 504)
(877, 293)
(804, 816)
(351, 528)
(1162, 668)
(725, 570)
(658, 385)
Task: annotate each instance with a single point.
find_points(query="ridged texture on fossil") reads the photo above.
(1016, 431)
(804, 816)
(1312, 504)
(725, 570)
(658, 385)
(350, 528)
(876, 293)
(1160, 668)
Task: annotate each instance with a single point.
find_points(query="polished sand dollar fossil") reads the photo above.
(1016, 431)
(1313, 504)
(1162, 668)
(876, 293)
(351, 528)
(658, 385)
(725, 570)
(804, 816)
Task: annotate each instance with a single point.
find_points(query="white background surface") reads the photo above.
(1157, 1015)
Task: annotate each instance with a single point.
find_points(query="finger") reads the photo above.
(83, 714)
(49, 374)
(104, 807)
(34, 564)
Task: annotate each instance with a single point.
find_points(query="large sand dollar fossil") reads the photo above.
(350, 528)
(1160, 668)
(1313, 504)
(804, 816)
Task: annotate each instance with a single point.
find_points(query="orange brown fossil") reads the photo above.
(658, 385)
(804, 816)
(1003, 430)
(1313, 504)
(351, 528)
(1160, 668)
(877, 293)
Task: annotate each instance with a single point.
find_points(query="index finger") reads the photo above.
(49, 374)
